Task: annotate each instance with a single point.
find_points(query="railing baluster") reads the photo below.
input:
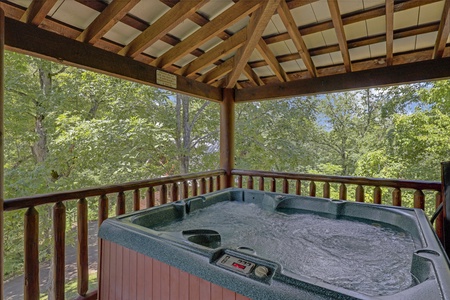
(150, 197)
(250, 182)
(136, 199)
(326, 189)
(239, 181)
(359, 194)
(377, 195)
(312, 189)
(163, 194)
(342, 192)
(419, 199)
(202, 186)
(120, 203)
(194, 187)
(397, 197)
(273, 184)
(31, 240)
(82, 249)
(439, 222)
(261, 183)
(102, 209)
(298, 187)
(185, 189)
(175, 191)
(59, 250)
(285, 186)
(211, 184)
(218, 183)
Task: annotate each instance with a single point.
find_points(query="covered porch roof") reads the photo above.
(261, 49)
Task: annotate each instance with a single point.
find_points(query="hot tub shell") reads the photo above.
(195, 254)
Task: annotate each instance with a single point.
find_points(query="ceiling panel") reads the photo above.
(314, 40)
(376, 26)
(431, 12)
(322, 60)
(404, 44)
(355, 30)
(359, 53)
(336, 58)
(186, 28)
(150, 10)
(321, 10)
(304, 15)
(75, 14)
(426, 40)
(157, 49)
(378, 50)
(347, 6)
(330, 37)
(406, 18)
(122, 34)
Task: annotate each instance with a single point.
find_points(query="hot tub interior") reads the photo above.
(370, 250)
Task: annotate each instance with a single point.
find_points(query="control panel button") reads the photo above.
(236, 264)
(261, 271)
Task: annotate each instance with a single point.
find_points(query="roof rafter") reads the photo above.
(271, 60)
(202, 35)
(443, 32)
(389, 32)
(214, 54)
(252, 76)
(340, 33)
(37, 11)
(109, 17)
(172, 18)
(218, 72)
(255, 28)
(289, 23)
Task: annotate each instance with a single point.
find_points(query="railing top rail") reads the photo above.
(366, 181)
(35, 200)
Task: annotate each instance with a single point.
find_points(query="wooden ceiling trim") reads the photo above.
(109, 17)
(396, 74)
(443, 32)
(340, 33)
(289, 23)
(367, 64)
(29, 39)
(219, 51)
(37, 11)
(171, 19)
(255, 28)
(272, 61)
(389, 32)
(229, 17)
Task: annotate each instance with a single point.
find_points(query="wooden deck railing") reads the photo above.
(152, 192)
(295, 183)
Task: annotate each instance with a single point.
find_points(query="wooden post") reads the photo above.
(2, 53)
(31, 252)
(227, 128)
(82, 249)
(59, 250)
(445, 171)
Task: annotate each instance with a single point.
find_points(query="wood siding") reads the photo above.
(127, 274)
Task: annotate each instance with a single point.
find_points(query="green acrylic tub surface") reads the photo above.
(199, 251)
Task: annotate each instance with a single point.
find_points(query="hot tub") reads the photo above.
(243, 244)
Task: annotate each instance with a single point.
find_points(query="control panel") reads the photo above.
(243, 266)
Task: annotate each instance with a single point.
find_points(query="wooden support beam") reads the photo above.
(227, 130)
(218, 72)
(37, 11)
(396, 74)
(389, 32)
(289, 23)
(229, 17)
(252, 76)
(171, 19)
(443, 32)
(272, 61)
(31, 40)
(340, 33)
(255, 28)
(109, 17)
(222, 49)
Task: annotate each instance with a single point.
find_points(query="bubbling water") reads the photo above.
(363, 257)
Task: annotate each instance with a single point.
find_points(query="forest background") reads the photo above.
(67, 128)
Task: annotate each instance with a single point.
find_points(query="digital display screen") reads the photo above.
(236, 264)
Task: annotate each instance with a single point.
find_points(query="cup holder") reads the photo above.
(203, 237)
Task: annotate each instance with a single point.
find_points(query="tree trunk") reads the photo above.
(183, 132)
